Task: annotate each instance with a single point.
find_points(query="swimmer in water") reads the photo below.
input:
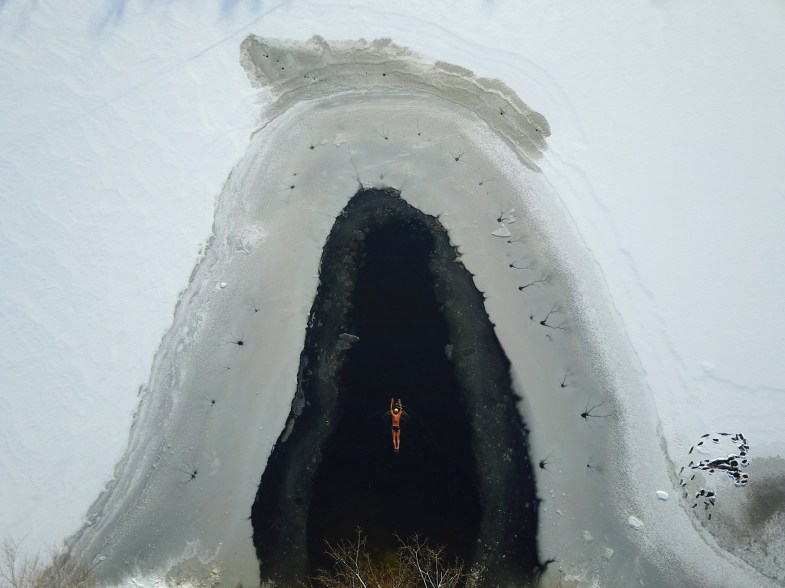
(396, 410)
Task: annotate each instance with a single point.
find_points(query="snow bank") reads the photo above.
(117, 137)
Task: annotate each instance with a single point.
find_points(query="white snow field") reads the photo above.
(656, 206)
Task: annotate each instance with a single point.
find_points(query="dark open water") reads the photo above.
(462, 478)
(430, 487)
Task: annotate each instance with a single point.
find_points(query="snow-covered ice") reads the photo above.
(662, 175)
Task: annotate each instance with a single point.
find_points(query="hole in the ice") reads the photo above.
(430, 486)
(396, 317)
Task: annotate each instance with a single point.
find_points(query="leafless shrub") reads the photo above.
(416, 565)
(431, 566)
(65, 570)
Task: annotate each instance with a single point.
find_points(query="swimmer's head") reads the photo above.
(396, 410)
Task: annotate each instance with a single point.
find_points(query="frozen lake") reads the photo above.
(123, 129)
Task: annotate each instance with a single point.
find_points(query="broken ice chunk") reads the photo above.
(634, 522)
(349, 338)
(587, 536)
(662, 495)
(502, 231)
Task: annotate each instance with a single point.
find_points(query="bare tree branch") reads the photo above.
(417, 565)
